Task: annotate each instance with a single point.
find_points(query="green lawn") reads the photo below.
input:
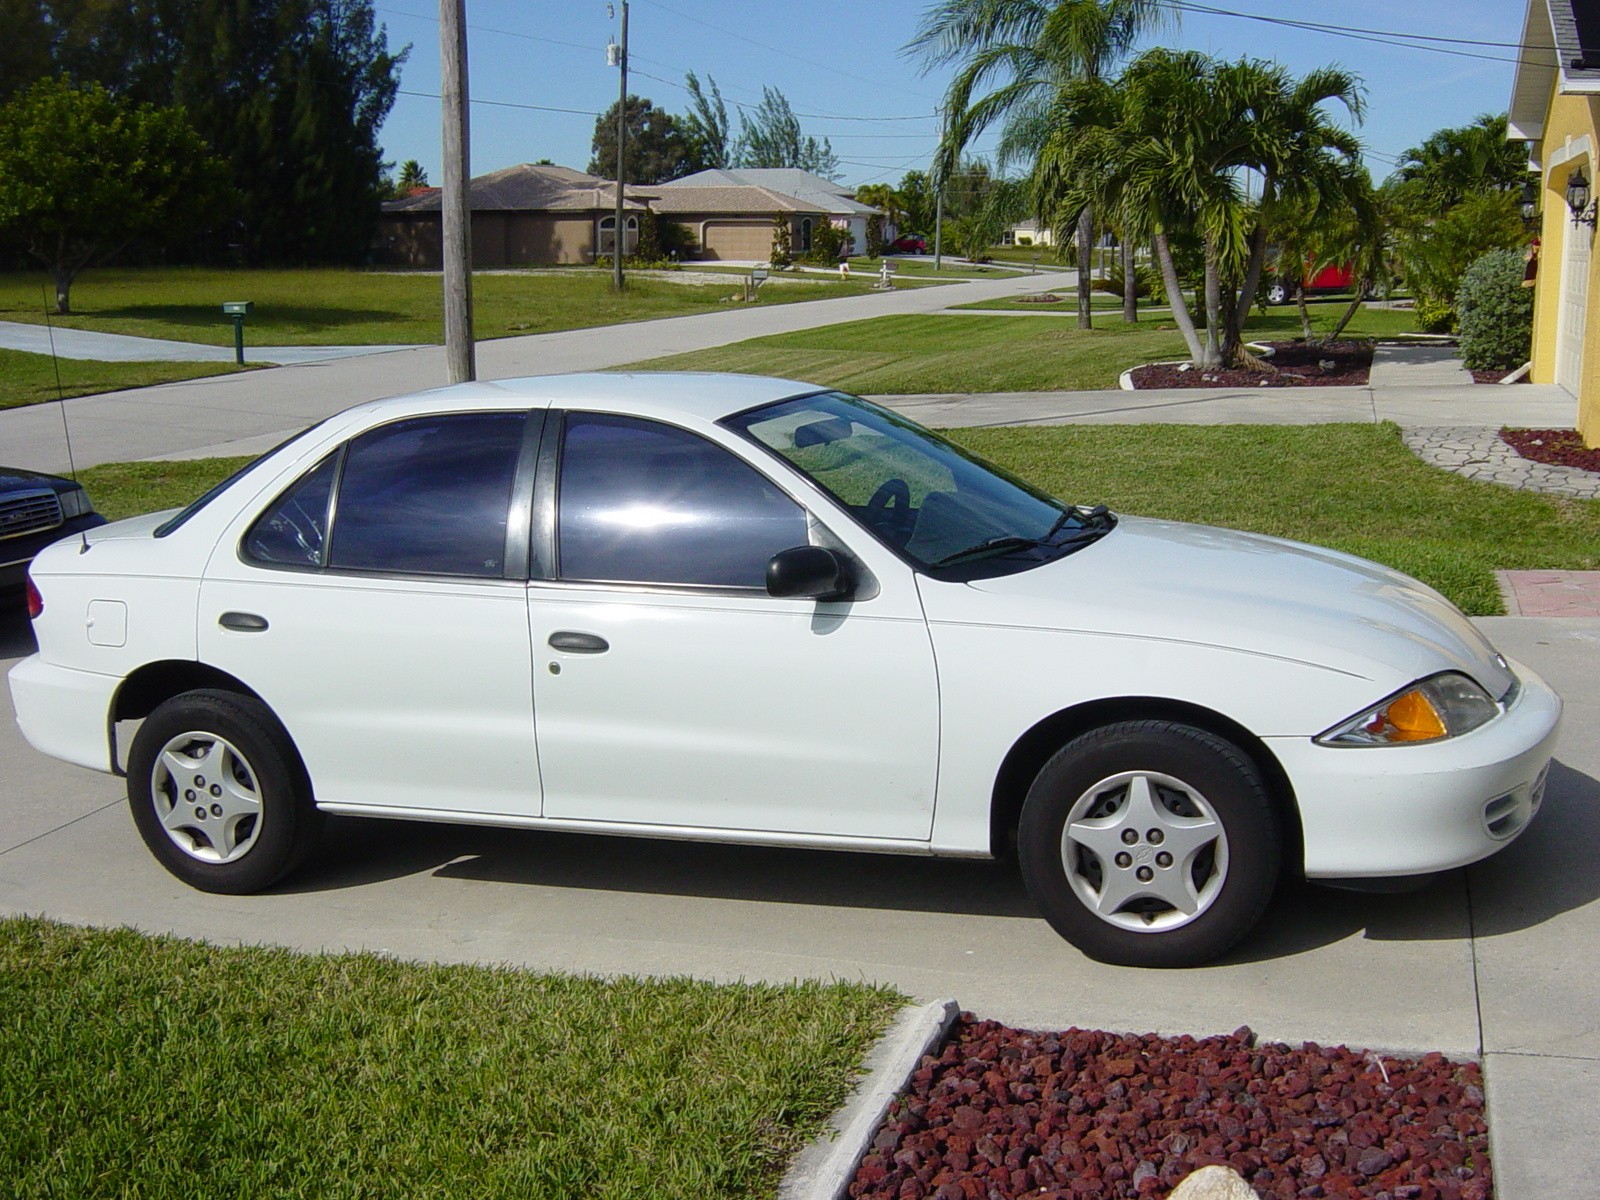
(1066, 302)
(1278, 321)
(1353, 487)
(138, 1066)
(952, 268)
(934, 353)
(327, 306)
(31, 378)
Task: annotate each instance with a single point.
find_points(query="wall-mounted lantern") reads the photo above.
(1578, 198)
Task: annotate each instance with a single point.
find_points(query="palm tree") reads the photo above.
(1168, 145)
(1030, 51)
(412, 176)
(1455, 163)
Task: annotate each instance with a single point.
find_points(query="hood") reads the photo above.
(1243, 591)
(19, 478)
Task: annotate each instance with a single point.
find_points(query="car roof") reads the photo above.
(704, 396)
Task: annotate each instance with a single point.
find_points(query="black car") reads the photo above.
(35, 510)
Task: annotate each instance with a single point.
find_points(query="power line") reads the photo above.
(576, 112)
(1406, 41)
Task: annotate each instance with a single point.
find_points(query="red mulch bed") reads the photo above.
(1003, 1113)
(1557, 447)
(1293, 364)
(1493, 375)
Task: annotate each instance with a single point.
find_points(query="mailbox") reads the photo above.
(236, 311)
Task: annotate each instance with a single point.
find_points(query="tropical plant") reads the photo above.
(1453, 164)
(875, 236)
(883, 198)
(1435, 252)
(782, 243)
(1026, 52)
(1166, 147)
(412, 176)
(83, 174)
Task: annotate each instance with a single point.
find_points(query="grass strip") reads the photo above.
(1352, 487)
(138, 1066)
(31, 378)
(327, 306)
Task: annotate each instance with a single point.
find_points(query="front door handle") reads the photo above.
(244, 622)
(578, 643)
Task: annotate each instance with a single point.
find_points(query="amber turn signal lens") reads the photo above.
(1412, 718)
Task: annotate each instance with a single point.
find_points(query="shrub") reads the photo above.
(1496, 312)
(1435, 315)
(828, 244)
(782, 243)
(874, 236)
(1146, 281)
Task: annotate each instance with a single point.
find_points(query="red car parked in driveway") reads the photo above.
(910, 244)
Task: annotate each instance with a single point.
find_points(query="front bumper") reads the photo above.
(65, 713)
(1413, 810)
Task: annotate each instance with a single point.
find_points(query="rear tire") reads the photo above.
(1150, 844)
(219, 794)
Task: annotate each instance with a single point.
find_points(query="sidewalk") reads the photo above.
(121, 347)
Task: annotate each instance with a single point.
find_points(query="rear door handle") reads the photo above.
(243, 622)
(578, 643)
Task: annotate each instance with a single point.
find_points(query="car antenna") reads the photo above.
(61, 403)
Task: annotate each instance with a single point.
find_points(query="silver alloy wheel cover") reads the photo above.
(207, 797)
(1097, 831)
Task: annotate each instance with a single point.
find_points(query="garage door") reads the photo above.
(737, 239)
(1570, 325)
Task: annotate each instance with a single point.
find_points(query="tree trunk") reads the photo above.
(1085, 283)
(1361, 290)
(1130, 286)
(1305, 313)
(1213, 350)
(1180, 310)
(63, 277)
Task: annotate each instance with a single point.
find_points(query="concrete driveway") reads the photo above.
(1497, 962)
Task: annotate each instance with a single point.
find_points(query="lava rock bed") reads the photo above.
(1294, 364)
(1557, 447)
(1004, 1113)
(1493, 375)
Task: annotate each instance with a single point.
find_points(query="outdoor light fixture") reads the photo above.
(1529, 202)
(1583, 209)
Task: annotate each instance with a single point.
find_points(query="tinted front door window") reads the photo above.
(642, 502)
(429, 496)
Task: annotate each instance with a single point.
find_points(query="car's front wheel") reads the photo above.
(1278, 293)
(1150, 844)
(219, 794)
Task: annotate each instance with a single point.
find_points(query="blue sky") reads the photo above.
(841, 68)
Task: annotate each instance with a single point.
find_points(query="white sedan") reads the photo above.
(753, 610)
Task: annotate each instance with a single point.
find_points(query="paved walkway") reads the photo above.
(121, 347)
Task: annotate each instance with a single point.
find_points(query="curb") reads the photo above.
(824, 1169)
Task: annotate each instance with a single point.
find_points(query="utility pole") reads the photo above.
(456, 216)
(620, 244)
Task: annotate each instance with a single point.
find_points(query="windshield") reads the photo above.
(939, 506)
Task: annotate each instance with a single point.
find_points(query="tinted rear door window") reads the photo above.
(430, 496)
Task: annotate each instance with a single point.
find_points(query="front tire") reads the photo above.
(219, 794)
(1150, 844)
(1278, 293)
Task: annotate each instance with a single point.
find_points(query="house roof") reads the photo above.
(1560, 50)
(740, 201)
(528, 187)
(813, 192)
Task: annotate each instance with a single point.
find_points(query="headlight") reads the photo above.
(1444, 706)
(75, 504)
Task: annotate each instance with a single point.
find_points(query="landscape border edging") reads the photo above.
(824, 1169)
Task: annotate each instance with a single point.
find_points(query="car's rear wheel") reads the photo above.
(1150, 844)
(1278, 293)
(218, 792)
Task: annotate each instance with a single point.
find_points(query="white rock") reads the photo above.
(1214, 1183)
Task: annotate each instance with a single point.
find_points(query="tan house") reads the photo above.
(521, 216)
(736, 222)
(1555, 105)
(811, 194)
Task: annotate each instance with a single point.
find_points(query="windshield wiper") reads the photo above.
(1006, 541)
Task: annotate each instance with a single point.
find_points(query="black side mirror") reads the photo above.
(810, 571)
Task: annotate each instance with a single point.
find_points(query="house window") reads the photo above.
(606, 237)
(805, 235)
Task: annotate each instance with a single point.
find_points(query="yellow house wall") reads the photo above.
(1570, 117)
